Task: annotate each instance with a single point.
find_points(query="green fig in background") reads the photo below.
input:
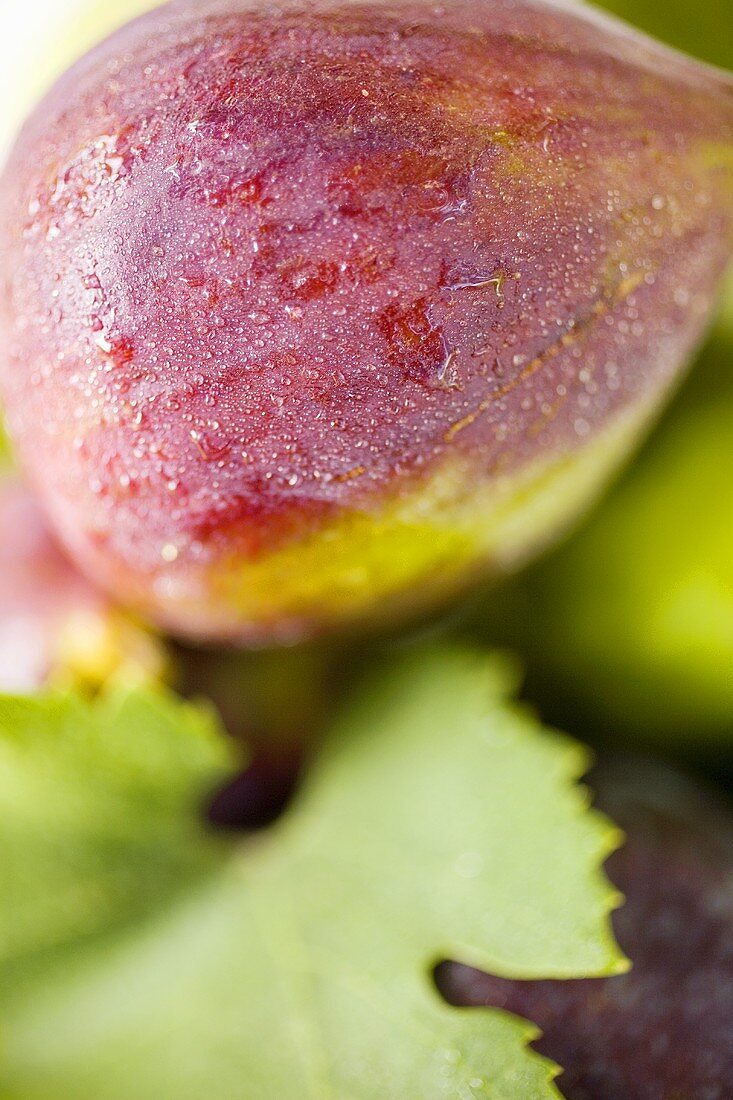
(706, 35)
(312, 316)
(628, 628)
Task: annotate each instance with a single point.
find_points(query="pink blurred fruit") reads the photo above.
(54, 627)
(310, 313)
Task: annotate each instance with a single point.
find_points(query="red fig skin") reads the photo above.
(662, 1031)
(294, 296)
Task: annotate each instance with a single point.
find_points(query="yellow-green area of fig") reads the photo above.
(418, 548)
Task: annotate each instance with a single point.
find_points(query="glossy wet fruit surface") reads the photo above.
(662, 1031)
(311, 311)
(627, 630)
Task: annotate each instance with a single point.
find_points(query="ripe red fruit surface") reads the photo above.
(311, 312)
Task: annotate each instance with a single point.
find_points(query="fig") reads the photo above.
(55, 628)
(627, 630)
(661, 1031)
(312, 314)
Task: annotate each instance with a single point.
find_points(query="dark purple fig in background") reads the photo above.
(662, 1031)
(310, 313)
(55, 629)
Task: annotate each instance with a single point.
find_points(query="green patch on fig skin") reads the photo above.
(416, 551)
(719, 156)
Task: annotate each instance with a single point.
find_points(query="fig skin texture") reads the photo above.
(662, 1031)
(626, 631)
(312, 312)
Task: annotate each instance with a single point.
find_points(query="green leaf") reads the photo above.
(99, 819)
(438, 821)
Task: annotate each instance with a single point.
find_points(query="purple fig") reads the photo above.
(662, 1031)
(311, 313)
